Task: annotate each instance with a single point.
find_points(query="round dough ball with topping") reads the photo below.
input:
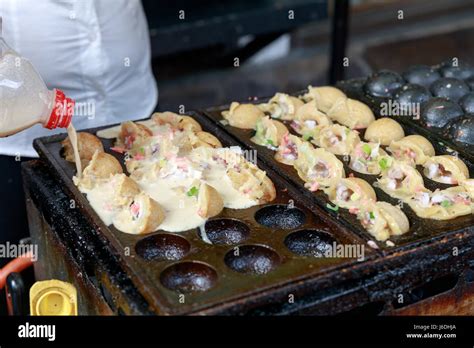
(269, 132)
(337, 139)
(87, 145)
(325, 96)
(282, 106)
(176, 121)
(210, 202)
(125, 189)
(244, 116)
(446, 169)
(207, 139)
(351, 192)
(384, 131)
(351, 113)
(383, 220)
(413, 149)
(101, 167)
(132, 134)
(143, 215)
(396, 219)
(287, 152)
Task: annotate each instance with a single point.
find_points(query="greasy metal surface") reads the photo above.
(69, 249)
(354, 89)
(55, 263)
(421, 230)
(229, 288)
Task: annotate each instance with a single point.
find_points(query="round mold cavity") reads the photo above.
(225, 231)
(189, 276)
(313, 243)
(252, 259)
(163, 247)
(280, 216)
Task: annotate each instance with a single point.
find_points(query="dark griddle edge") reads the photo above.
(92, 255)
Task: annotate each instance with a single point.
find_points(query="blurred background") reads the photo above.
(284, 45)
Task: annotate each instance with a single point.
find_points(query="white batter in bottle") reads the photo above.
(24, 98)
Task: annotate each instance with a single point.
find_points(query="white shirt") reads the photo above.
(96, 51)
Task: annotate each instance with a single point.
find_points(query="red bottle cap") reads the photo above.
(62, 112)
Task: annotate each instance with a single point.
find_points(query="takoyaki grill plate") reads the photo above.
(264, 248)
(421, 231)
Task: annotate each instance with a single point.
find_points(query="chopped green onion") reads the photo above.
(384, 163)
(371, 215)
(330, 207)
(270, 142)
(367, 149)
(142, 150)
(446, 203)
(193, 191)
(307, 136)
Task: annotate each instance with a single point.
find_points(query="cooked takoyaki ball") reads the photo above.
(337, 139)
(318, 168)
(207, 139)
(191, 140)
(282, 106)
(176, 121)
(132, 134)
(125, 189)
(351, 113)
(401, 180)
(468, 185)
(383, 220)
(252, 182)
(351, 192)
(442, 204)
(413, 149)
(269, 132)
(309, 121)
(287, 152)
(143, 215)
(87, 145)
(210, 202)
(384, 131)
(368, 158)
(325, 96)
(244, 116)
(101, 167)
(446, 169)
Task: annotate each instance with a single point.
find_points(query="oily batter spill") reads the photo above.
(179, 175)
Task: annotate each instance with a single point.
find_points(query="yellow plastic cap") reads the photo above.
(53, 297)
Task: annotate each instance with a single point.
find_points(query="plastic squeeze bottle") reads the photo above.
(24, 98)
